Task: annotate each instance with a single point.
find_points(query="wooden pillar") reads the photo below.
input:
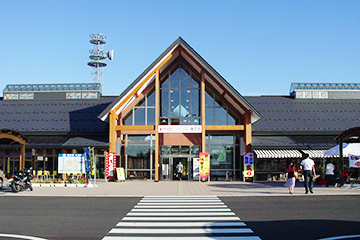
(202, 103)
(157, 114)
(22, 158)
(112, 131)
(248, 131)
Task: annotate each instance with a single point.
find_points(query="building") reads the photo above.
(197, 111)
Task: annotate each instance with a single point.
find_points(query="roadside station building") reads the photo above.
(178, 107)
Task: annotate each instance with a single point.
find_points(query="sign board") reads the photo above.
(196, 166)
(71, 163)
(110, 164)
(204, 167)
(180, 129)
(120, 174)
(354, 161)
(249, 164)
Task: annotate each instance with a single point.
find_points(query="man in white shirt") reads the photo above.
(308, 171)
(329, 174)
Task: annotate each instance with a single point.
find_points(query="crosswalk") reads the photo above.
(181, 217)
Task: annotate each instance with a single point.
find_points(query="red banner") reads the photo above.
(110, 164)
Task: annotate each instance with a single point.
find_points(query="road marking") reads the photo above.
(181, 217)
(21, 237)
(340, 237)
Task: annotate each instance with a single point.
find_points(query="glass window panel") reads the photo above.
(165, 150)
(150, 116)
(221, 139)
(164, 121)
(151, 99)
(209, 101)
(139, 115)
(175, 149)
(185, 103)
(209, 116)
(185, 79)
(175, 121)
(165, 103)
(194, 81)
(139, 139)
(185, 150)
(195, 121)
(175, 79)
(174, 103)
(231, 120)
(129, 119)
(220, 118)
(185, 121)
(195, 103)
(194, 150)
(165, 81)
(218, 102)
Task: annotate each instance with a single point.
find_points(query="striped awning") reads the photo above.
(315, 153)
(277, 153)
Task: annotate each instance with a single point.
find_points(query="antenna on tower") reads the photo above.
(98, 56)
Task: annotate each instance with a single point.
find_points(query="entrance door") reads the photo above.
(186, 169)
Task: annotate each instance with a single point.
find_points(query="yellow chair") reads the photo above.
(40, 174)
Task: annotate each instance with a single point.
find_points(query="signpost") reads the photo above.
(248, 165)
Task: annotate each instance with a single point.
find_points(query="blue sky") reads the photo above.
(259, 47)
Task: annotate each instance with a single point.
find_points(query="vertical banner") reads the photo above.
(92, 162)
(87, 160)
(110, 164)
(204, 167)
(249, 164)
(196, 165)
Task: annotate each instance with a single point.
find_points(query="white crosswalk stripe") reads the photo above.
(181, 217)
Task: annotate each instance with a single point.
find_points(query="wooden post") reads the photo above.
(248, 131)
(157, 114)
(22, 158)
(112, 131)
(203, 122)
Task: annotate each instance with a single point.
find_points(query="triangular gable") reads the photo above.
(179, 47)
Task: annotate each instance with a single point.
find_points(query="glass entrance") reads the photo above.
(185, 162)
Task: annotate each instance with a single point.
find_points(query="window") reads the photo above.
(143, 113)
(180, 97)
(216, 112)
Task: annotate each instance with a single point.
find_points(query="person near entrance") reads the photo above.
(308, 171)
(179, 170)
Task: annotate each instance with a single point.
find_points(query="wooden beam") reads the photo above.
(112, 131)
(225, 127)
(202, 103)
(248, 131)
(135, 90)
(134, 127)
(157, 115)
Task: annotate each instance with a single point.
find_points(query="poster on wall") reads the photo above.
(196, 165)
(110, 164)
(249, 164)
(354, 161)
(71, 163)
(204, 167)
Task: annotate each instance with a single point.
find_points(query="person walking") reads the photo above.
(308, 171)
(329, 174)
(179, 170)
(291, 175)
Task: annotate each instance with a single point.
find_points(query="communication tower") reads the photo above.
(98, 56)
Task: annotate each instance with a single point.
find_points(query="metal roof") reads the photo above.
(52, 87)
(324, 86)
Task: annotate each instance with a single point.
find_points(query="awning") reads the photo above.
(315, 153)
(278, 153)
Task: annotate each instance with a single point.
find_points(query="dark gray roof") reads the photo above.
(61, 116)
(286, 115)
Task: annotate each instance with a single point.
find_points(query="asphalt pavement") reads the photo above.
(140, 188)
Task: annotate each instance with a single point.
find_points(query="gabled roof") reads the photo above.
(169, 55)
